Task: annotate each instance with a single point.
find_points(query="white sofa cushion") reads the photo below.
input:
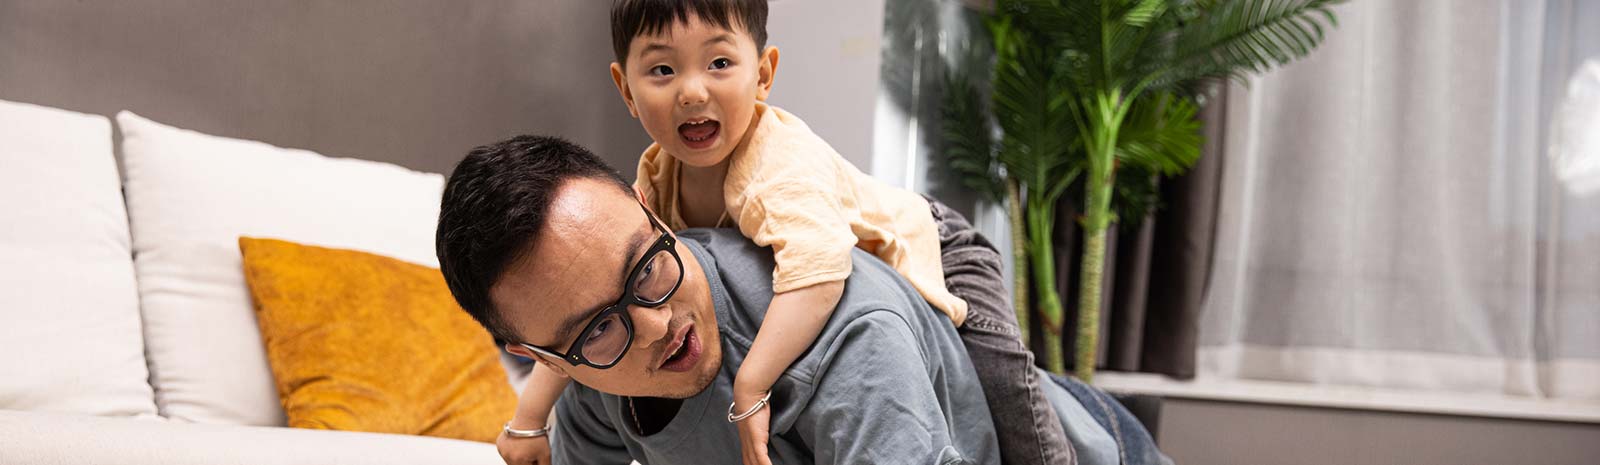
(30, 438)
(69, 307)
(190, 197)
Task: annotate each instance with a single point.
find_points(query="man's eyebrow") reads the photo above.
(572, 323)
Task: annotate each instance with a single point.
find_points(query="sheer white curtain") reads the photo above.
(1390, 216)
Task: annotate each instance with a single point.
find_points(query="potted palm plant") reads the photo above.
(1104, 90)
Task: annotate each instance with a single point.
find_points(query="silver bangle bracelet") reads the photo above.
(527, 433)
(753, 409)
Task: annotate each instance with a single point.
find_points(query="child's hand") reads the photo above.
(523, 451)
(754, 430)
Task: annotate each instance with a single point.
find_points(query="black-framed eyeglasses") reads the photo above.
(655, 277)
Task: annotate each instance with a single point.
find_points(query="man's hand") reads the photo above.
(753, 430)
(523, 451)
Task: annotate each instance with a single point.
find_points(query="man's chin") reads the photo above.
(704, 375)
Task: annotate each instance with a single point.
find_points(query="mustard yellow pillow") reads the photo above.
(361, 342)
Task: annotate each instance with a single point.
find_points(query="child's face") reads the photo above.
(694, 88)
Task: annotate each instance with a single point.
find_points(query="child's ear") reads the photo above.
(523, 352)
(621, 81)
(769, 72)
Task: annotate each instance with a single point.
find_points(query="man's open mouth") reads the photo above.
(699, 133)
(684, 352)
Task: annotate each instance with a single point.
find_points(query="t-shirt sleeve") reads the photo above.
(582, 433)
(875, 401)
(803, 224)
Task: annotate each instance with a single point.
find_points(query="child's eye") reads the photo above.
(721, 63)
(661, 70)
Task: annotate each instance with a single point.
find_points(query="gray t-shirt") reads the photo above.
(887, 381)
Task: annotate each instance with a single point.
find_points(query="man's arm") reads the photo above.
(583, 434)
(876, 401)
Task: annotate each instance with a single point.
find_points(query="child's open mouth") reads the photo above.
(699, 134)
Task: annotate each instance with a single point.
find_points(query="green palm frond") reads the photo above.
(1160, 138)
(1072, 28)
(1137, 194)
(968, 137)
(1161, 135)
(1033, 109)
(1106, 89)
(1131, 33)
(1232, 39)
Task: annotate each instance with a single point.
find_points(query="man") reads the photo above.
(551, 251)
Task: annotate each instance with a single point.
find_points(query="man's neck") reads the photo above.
(652, 414)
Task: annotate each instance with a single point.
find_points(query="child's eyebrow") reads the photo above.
(720, 38)
(655, 47)
(664, 47)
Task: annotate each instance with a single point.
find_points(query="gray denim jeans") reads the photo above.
(1028, 429)
(1115, 436)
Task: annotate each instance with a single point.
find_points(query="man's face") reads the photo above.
(592, 238)
(694, 87)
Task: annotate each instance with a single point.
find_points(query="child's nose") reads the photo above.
(692, 93)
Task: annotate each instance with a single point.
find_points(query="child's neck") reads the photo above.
(700, 194)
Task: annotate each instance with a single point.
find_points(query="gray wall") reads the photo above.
(1195, 432)
(412, 82)
(830, 51)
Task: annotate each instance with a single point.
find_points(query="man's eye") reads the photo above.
(644, 274)
(721, 63)
(599, 330)
(661, 70)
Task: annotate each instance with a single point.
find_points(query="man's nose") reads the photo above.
(650, 324)
(693, 92)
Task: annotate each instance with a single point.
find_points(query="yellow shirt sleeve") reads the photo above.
(803, 224)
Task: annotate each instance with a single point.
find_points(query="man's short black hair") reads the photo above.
(494, 209)
(633, 18)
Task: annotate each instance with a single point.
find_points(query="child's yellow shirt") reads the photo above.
(789, 190)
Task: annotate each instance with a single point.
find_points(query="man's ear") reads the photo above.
(525, 353)
(769, 72)
(621, 80)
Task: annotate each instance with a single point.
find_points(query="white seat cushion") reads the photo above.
(190, 197)
(69, 307)
(51, 439)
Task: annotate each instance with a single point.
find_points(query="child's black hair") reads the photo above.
(633, 18)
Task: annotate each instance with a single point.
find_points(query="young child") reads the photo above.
(695, 73)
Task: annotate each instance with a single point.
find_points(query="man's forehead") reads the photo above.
(577, 262)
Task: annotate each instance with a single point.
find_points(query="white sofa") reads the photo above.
(125, 324)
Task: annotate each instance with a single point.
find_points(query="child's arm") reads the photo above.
(793, 321)
(539, 396)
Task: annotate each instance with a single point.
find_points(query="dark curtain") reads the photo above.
(1156, 270)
